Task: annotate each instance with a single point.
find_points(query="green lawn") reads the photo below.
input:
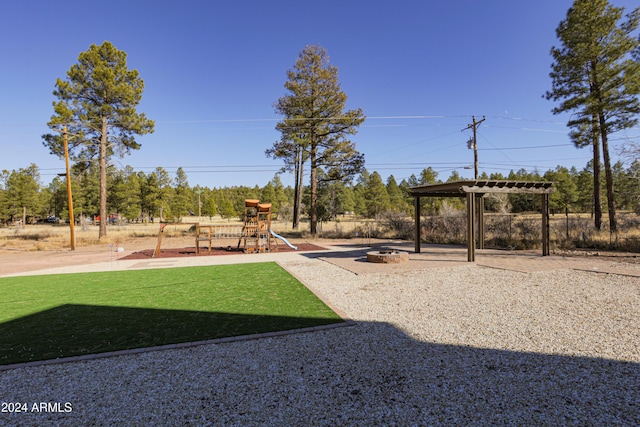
(47, 317)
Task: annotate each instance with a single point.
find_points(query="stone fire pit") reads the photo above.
(387, 257)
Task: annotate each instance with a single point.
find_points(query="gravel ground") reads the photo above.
(465, 345)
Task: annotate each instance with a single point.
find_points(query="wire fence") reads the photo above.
(514, 231)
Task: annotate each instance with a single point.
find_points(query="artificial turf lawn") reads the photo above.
(47, 317)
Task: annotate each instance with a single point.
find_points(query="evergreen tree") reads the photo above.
(633, 177)
(209, 206)
(145, 196)
(455, 176)
(56, 200)
(595, 77)
(132, 208)
(566, 193)
(405, 186)
(22, 189)
(97, 104)
(181, 200)
(584, 181)
(334, 198)
(165, 193)
(397, 196)
(625, 186)
(523, 202)
(268, 194)
(429, 176)
(280, 197)
(457, 203)
(377, 199)
(116, 192)
(226, 208)
(359, 193)
(86, 198)
(316, 126)
(154, 192)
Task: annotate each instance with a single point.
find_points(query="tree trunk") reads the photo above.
(611, 197)
(103, 181)
(300, 190)
(313, 220)
(597, 191)
(297, 196)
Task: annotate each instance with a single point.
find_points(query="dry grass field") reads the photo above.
(47, 237)
(39, 246)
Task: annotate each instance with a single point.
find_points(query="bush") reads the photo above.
(630, 244)
(529, 231)
(398, 224)
(437, 229)
(499, 231)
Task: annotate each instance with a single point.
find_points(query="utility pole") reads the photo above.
(199, 192)
(69, 196)
(478, 220)
(473, 143)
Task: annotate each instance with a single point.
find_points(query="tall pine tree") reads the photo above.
(97, 104)
(316, 127)
(595, 77)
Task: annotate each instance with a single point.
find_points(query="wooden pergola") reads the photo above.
(474, 192)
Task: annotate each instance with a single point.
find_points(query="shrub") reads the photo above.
(398, 224)
(436, 229)
(529, 231)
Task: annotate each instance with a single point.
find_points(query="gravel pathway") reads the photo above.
(464, 345)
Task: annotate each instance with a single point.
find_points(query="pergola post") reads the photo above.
(471, 233)
(416, 206)
(545, 224)
(480, 215)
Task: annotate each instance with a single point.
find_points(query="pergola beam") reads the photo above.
(512, 190)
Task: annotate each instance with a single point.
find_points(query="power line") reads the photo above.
(501, 152)
(402, 147)
(408, 117)
(523, 148)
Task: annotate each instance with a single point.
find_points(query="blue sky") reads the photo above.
(213, 69)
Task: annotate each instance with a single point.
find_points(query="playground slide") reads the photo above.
(286, 242)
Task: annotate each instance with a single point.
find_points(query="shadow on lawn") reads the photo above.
(75, 330)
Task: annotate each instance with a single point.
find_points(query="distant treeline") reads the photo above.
(139, 196)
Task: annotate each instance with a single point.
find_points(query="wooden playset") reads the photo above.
(254, 235)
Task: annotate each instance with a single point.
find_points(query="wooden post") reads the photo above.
(471, 235)
(156, 252)
(72, 223)
(198, 238)
(480, 216)
(545, 224)
(416, 203)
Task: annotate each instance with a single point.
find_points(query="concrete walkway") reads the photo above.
(352, 257)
